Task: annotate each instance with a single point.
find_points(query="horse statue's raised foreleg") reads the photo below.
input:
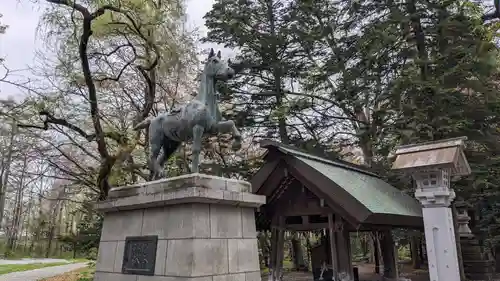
(198, 131)
(224, 127)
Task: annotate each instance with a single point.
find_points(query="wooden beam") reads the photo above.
(263, 174)
(307, 211)
(306, 227)
(316, 226)
(272, 181)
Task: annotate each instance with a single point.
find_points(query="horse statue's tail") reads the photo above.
(142, 125)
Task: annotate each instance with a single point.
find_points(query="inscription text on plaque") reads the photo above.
(139, 256)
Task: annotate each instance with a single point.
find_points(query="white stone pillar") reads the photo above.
(435, 195)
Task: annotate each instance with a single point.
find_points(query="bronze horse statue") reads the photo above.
(192, 120)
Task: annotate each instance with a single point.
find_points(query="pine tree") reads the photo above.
(260, 31)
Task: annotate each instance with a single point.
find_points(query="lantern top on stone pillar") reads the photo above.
(432, 165)
(445, 154)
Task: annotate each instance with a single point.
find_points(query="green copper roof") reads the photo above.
(371, 191)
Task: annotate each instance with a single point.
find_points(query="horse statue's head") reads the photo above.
(216, 68)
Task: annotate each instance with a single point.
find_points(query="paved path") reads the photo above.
(28, 261)
(37, 274)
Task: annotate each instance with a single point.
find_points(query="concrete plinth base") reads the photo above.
(204, 225)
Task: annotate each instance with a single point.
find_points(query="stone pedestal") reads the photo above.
(203, 228)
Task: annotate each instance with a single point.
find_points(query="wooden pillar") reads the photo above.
(333, 250)
(422, 251)
(277, 250)
(415, 247)
(280, 249)
(272, 257)
(343, 241)
(497, 258)
(349, 251)
(376, 253)
(389, 255)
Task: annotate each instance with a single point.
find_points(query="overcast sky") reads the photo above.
(19, 43)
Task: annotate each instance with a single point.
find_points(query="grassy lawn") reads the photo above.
(77, 260)
(8, 268)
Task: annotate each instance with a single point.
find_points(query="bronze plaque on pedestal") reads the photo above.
(139, 255)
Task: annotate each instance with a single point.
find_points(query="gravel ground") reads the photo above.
(37, 274)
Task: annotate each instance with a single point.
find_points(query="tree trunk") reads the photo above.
(49, 241)
(60, 228)
(371, 249)
(74, 249)
(52, 229)
(5, 172)
(365, 248)
(41, 224)
(28, 221)
(16, 220)
(277, 72)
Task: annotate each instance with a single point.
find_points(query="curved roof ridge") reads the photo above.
(300, 153)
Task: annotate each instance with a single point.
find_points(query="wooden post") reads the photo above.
(333, 250)
(414, 247)
(342, 235)
(497, 258)
(388, 255)
(376, 254)
(422, 251)
(349, 254)
(273, 258)
(280, 249)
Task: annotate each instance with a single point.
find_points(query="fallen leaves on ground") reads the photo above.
(81, 274)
